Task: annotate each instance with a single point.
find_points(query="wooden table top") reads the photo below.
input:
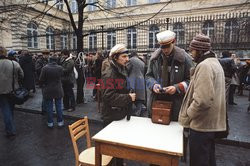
(141, 133)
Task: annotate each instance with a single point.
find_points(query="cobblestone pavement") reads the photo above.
(239, 119)
(36, 145)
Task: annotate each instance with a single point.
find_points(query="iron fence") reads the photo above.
(227, 32)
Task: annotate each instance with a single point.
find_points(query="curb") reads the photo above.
(233, 143)
(70, 117)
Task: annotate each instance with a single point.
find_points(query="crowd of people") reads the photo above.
(199, 85)
(54, 73)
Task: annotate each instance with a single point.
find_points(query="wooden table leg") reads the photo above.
(98, 97)
(98, 156)
(175, 161)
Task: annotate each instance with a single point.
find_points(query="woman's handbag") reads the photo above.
(20, 95)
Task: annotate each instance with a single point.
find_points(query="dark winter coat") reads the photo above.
(50, 79)
(116, 99)
(40, 63)
(68, 71)
(228, 66)
(179, 72)
(28, 67)
(98, 67)
(136, 77)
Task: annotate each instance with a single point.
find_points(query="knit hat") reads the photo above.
(200, 42)
(11, 53)
(117, 50)
(165, 37)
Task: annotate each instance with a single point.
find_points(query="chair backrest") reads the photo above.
(77, 130)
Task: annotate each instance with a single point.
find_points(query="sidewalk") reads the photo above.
(239, 119)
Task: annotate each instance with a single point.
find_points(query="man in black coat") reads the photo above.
(68, 80)
(28, 67)
(50, 79)
(229, 68)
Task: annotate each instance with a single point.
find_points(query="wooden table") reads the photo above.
(140, 139)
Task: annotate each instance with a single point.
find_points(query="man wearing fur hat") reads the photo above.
(203, 110)
(168, 74)
(116, 97)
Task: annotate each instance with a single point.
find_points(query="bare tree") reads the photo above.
(78, 29)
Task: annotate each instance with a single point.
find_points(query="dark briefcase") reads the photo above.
(161, 112)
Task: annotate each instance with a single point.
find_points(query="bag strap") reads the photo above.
(13, 78)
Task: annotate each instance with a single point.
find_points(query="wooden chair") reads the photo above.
(87, 157)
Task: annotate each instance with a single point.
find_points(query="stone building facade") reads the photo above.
(46, 24)
(33, 25)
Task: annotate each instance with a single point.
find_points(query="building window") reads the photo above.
(111, 3)
(74, 42)
(74, 7)
(59, 4)
(153, 1)
(92, 42)
(231, 31)
(208, 28)
(111, 39)
(179, 31)
(131, 2)
(153, 30)
(132, 38)
(44, 1)
(64, 40)
(32, 35)
(50, 38)
(92, 7)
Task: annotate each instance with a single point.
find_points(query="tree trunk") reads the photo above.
(81, 77)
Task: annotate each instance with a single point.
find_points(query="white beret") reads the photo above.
(165, 37)
(118, 49)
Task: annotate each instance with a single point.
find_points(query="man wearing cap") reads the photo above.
(203, 110)
(115, 95)
(41, 62)
(115, 88)
(168, 70)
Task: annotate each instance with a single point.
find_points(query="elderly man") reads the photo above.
(168, 73)
(203, 109)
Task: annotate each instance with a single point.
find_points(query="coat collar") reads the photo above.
(118, 68)
(177, 54)
(208, 54)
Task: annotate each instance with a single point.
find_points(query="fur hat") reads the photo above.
(117, 50)
(45, 51)
(201, 42)
(165, 37)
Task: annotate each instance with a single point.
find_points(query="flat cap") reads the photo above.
(118, 49)
(165, 37)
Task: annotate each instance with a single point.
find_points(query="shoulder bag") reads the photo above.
(20, 95)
